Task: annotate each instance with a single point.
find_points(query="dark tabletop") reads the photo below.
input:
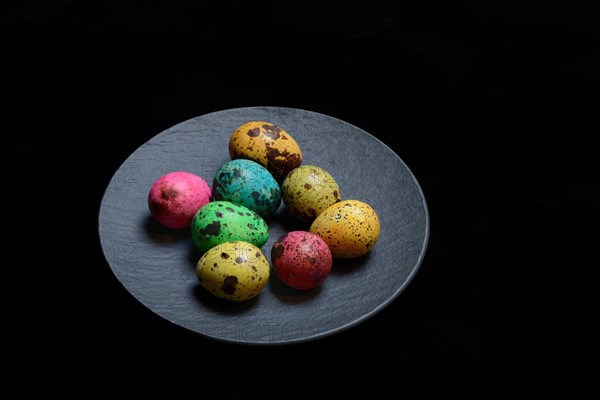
(493, 105)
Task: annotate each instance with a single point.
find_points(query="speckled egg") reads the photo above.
(302, 260)
(350, 228)
(236, 271)
(308, 190)
(174, 198)
(249, 184)
(268, 145)
(222, 221)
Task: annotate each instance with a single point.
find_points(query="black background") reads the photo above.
(492, 104)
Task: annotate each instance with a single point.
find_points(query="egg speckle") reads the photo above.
(267, 144)
(249, 184)
(236, 271)
(350, 228)
(222, 221)
(302, 260)
(174, 198)
(308, 190)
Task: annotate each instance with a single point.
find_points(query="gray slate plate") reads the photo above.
(157, 265)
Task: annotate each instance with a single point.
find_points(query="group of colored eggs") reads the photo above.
(228, 219)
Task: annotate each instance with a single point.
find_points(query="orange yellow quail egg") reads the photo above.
(350, 228)
(267, 144)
